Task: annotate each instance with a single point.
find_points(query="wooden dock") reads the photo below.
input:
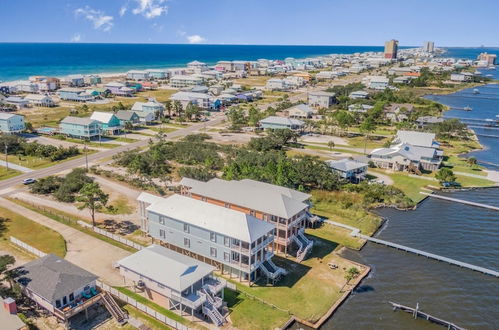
(462, 201)
(417, 313)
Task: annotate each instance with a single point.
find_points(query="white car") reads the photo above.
(29, 181)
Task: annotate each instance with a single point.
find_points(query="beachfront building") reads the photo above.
(119, 89)
(40, 100)
(391, 49)
(226, 66)
(197, 67)
(58, 286)
(175, 281)
(275, 122)
(137, 75)
(11, 123)
(109, 123)
(286, 209)
(202, 100)
(75, 80)
(234, 242)
(349, 169)
(127, 117)
(74, 94)
(81, 128)
(300, 111)
(186, 81)
(17, 101)
(92, 79)
(321, 99)
(26, 86)
(151, 106)
(157, 73)
(46, 84)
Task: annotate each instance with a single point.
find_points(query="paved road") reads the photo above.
(52, 170)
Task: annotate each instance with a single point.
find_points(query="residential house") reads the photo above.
(186, 81)
(357, 107)
(40, 100)
(127, 116)
(326, 75)
(8, 315)
(420, 139)
(17, 101)
(300, 111)
(46, 84)
(145, 117)
(398, 112)
(428, 121)
(376, 82)
(275, 122)
(157, 73)
(276, 84)
(119, 89)
(26, 86)
(58, 286)
(407, 157)
(197, 66)
(461, 77)
(75, 80)
(137, 75)
(349, 169)
(321, 99)
(82, 128)
(175, 281)
(358, 95)
(74, 94)
(234, 242)
(224, 66)
(402, 80)
(286, 209)
(11, 123)
(202, 100)
(109, 123)
(241, 65)
(151, 106)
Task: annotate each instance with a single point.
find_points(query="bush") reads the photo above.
(197, 173)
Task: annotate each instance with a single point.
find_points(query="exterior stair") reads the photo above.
(305, 245)
(212, 312)
(271, 270)
(113, 308)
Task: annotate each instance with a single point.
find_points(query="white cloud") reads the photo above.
(195, 39)
(75, 38)
(150, 8)
(98, 18)
(123, 11)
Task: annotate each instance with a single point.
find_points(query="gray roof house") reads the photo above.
(176, 281)
(234, 242)
(420, 139)
(349, 169)
(285, 208)
(300, 111)
(275, 122)
(404, 157)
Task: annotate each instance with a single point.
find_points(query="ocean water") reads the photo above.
(21, 60)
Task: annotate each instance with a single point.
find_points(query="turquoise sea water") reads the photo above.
(21, 60)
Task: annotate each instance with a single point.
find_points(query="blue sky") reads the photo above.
(288, 22)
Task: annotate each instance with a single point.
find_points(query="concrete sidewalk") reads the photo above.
(83, 250)
(15, 167)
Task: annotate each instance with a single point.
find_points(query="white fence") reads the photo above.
(148, 310)
(27, 247)
(115, 237)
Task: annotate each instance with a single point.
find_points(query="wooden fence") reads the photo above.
(27, 247)
(143, 308)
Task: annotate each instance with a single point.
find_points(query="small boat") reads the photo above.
(467, 108)
(489, 75)
(491, 67)
(476, 91)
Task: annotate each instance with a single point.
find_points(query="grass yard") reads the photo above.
(94, 144)
(467, 181)
(40, 117)
(39, 162)
(119, 205)
(161, 95)
(244, 309)
(253, 81)
(343, 207)
(46, 239)
(360, 141)
(164, 130)
(7, 173)
(336, 234)
(298, 291)
(458, 164)
(315, 147)
(411, 186)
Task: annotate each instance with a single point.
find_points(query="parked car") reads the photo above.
(29, 181)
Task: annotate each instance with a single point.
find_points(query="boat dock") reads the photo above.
(417, 313)
(462, 201)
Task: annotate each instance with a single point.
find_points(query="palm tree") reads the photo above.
(169, 107)
(331, 145)
(471, 161)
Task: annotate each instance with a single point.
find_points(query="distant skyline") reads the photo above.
(449, 23)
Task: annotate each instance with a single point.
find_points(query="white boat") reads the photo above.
(467, 108)
(476, 91)
(489, 75)
(492, 67)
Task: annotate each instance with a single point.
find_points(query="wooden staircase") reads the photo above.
(113, 308)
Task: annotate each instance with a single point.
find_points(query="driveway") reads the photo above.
(83, 250)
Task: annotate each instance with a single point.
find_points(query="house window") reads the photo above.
(227, 205)
(57, 303)
(203, 199)
(71, 297)
(186, 228)
(252, 213)
(226, 256)
(64, 300)
(187, 242)
(162, 220)
(226, 241)
(213, 252)
(213, 237)
(162, 233)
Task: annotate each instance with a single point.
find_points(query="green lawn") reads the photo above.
(7, 173)
(40, 162)
(32, 233)
(156, 307)
(119, 206)
(467, 181)
(164, 130)
(411, 186)
(298, 291)
(344, 207)
(336, 234)
(94, 144)
(314, 147)
(458, 164)
(249, 314)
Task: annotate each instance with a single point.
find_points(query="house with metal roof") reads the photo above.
(234, 242)
(109, 123)
(300, 111)
(175, 281)
(137, 75)
(202, 100)
(127, 116)
(151, 106)
(40, 100)
(407, 157)
(428, 121)
(355, 95)
(286, 209)
(321, 99)
(349, 169)
(421, 139)
(74, 94)
(81, 128)
(275, 122)
(18, 102)
(117, 88)
(11, 123)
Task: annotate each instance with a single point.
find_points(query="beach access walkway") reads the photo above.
(462, 201)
